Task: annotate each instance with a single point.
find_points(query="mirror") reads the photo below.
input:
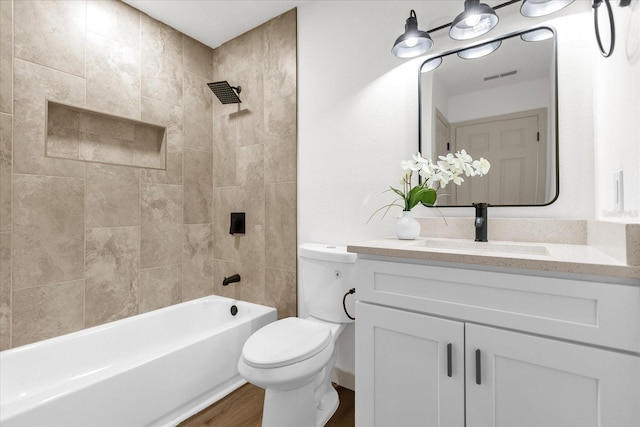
(501, 106)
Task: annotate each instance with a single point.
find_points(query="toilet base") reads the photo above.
(328, 406)
(297, 408)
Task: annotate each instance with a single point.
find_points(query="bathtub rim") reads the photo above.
(111, 324)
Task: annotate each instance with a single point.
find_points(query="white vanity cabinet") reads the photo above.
(443, 346)
(402, 369)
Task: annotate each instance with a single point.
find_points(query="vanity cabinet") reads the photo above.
(441, 346)
(402, 369)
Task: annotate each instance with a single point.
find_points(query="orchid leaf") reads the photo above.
(420, 194)
(429, 197)
(389, 206)
(398, 192)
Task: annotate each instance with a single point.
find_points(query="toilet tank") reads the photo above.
(327, 274)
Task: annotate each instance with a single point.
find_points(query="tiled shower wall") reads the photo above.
(85, 243)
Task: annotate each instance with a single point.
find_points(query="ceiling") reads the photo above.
(213, 22)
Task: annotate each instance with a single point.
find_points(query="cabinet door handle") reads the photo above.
(449, 364)
(478, 368)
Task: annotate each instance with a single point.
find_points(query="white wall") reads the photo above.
(358, 115)
(617, 113)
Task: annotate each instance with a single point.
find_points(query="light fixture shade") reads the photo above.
(412, 42)
(431, 64)
(476, 20)
(535, 8)
(479, 51)
(537, 35)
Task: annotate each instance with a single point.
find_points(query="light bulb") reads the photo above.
(411, 42)
(472, 20)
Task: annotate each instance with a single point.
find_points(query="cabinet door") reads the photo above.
(529, 381)
(402, 369)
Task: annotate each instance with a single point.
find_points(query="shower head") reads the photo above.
(226, 94)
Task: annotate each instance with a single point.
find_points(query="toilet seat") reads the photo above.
(285, 342)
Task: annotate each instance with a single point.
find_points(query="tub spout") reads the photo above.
(231, 279)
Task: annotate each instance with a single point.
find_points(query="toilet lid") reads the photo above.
(285, 342)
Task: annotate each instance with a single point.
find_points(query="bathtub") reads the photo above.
(154, 369)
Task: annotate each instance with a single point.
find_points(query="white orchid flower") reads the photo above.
(462, 155)
(406, 164)
(412, 165)
(485, 166)
(468, 169)
(457, 179)
(448, 158)
(426, 173)
(442, 176)
(481, 166)
(443, 166)
(419, 159)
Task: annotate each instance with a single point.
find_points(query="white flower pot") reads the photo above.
(407, 227)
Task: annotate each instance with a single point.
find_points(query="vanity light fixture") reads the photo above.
(535, 8)
(412, 42)
(476, 19)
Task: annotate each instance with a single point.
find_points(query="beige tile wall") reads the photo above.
(254, 164)
(81, 243)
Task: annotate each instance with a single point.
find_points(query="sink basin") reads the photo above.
(483, 247)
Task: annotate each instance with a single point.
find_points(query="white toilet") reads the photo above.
(292, 358)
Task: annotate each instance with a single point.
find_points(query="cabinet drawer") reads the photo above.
(603, 314)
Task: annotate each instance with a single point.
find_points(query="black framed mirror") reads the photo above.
(501, 106)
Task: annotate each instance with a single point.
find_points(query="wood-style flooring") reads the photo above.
(243, 408)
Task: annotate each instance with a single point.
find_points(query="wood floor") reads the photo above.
(243, 408)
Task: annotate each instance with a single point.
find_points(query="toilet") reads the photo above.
(292, 358)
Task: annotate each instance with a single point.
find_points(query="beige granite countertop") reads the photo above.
(553, 257)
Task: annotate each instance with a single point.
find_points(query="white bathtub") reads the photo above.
(154, 369)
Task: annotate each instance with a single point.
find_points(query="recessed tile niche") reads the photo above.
(79, 134)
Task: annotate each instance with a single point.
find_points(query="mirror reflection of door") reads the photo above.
(515, 145)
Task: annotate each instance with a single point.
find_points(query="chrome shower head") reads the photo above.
(226, 93)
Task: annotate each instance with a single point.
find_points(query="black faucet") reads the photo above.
(231, 279)
(481, 221)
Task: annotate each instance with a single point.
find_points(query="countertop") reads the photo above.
(553, 257)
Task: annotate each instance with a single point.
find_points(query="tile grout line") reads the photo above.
(11, 317)
(84, 202)
(139, 290)
(140, 194)
(183, 234)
